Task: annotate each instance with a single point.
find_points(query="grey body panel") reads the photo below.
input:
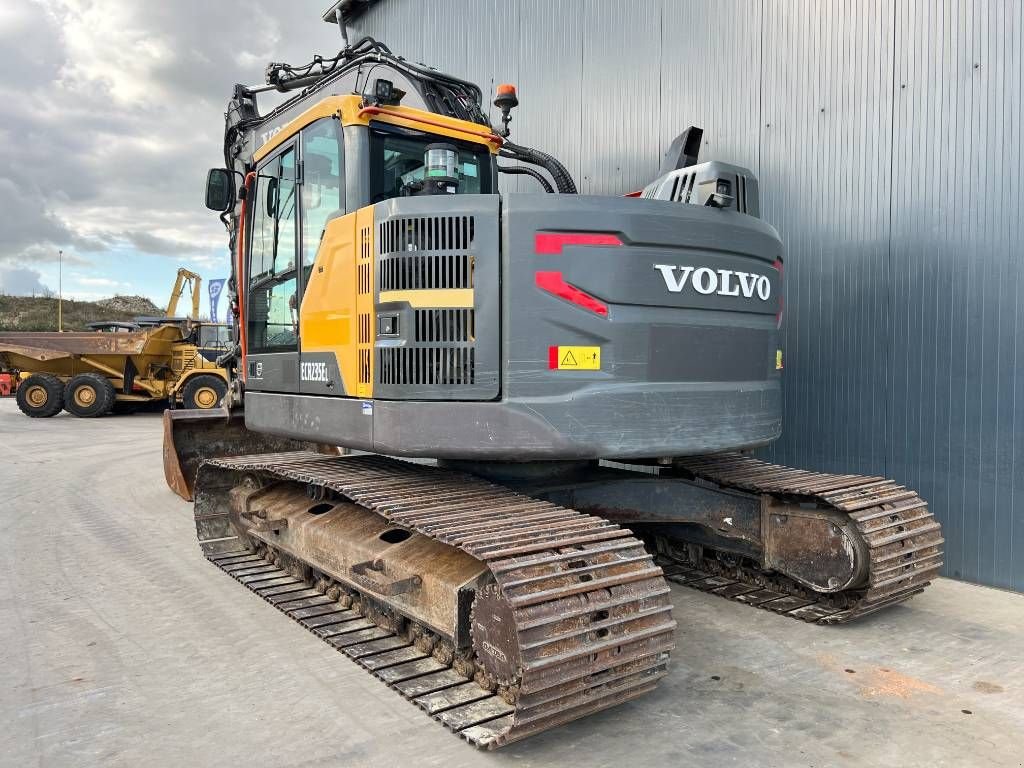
(602, 424)
(683, 343)
(319, 375)
(273, 371)
(682, 372)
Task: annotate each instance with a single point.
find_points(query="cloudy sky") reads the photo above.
(110, 113)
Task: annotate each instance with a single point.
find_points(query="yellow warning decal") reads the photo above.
(574, 358)
(778, 359)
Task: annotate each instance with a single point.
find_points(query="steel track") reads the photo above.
(904, 541)
(592, 616)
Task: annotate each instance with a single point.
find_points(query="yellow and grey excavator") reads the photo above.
(586, 376)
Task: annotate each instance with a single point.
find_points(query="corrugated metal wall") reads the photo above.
(886, 135)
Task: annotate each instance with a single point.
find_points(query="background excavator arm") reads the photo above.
(194, 282)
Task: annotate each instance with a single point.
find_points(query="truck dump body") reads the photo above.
(44, 346)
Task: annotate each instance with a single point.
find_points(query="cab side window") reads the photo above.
(321, 185)
(272, 301)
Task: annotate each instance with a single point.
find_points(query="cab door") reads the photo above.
(272, 299)
(327, 274)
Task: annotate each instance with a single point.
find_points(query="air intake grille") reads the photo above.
(427, 233)
(424, 252)
(416, 271)
(436, 281)
(426, 366)
(364, 310)
(682, 188)
(444, 325)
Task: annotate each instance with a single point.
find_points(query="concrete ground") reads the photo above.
(121, 646)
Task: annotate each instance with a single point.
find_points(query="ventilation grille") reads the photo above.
(436, 359)
(364, 305)
(426, 366)
(682, 188)
(415, 271)
(444, 325)
(695, 184)
(427, 233)
(741, 193)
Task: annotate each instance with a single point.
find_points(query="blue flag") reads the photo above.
(215, 288)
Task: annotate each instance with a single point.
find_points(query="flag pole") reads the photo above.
(60, 292)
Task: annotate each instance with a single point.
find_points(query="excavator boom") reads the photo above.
(194, 283)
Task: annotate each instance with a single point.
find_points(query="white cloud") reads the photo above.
(116, 110)
(100, 282)
(17, 281)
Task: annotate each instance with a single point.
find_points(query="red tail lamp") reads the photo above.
(554, 242)
(555, 284)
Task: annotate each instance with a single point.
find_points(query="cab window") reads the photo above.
(272, 297)
(397, 159)
(218, 336)
(321, 185)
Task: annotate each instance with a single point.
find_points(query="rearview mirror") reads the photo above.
(220, 190)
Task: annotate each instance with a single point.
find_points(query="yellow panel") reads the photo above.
(327, 318)
(325, 108)
(364, 299)
(432, 298)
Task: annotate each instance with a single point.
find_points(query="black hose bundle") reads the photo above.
(519, 170)
(559, 173)
(444, 94)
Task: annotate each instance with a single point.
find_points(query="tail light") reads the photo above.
(555, 284)
(553, 242)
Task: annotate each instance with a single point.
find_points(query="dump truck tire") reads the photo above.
(40, 396)
(89, 395)
(203, 392)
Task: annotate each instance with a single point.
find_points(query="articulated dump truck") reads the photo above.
(151, 359)
(87, 372)
(551, 396)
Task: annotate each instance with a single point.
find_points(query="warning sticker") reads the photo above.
(778, 359)
(574, 358)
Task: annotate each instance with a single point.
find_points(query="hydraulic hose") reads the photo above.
(516, 171)
(559, 173)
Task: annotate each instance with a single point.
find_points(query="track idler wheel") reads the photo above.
(495, 637)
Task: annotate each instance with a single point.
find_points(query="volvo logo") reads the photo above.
(723, 282)
(268, 135)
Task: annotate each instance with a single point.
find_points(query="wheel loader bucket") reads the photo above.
(191, 436)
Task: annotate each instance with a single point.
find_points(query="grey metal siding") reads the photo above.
(886, 136)
(956, 395)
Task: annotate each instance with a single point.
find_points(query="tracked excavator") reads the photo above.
(551, 399)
